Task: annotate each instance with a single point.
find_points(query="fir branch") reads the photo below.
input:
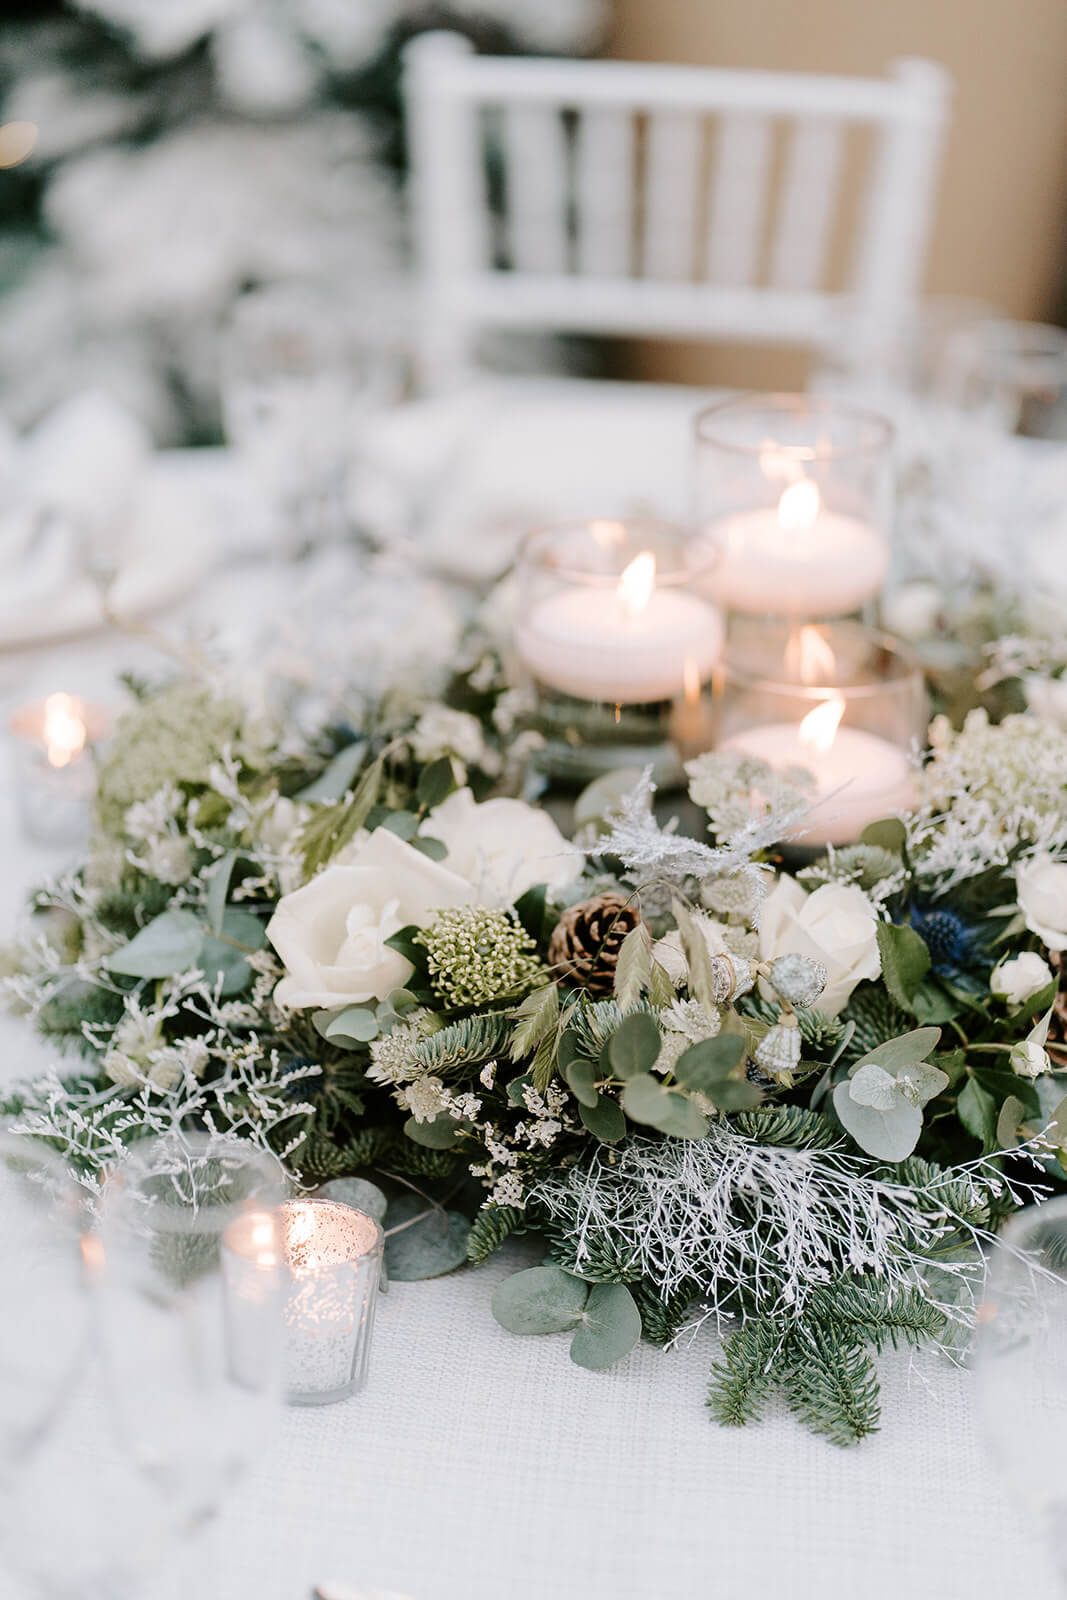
(469, 1042)
(788, 1127)
(753, 1361)
(864, 1308)
(490, 1228)
(830, 1383)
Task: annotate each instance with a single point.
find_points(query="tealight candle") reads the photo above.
(859, 776)
(797, 559)
(54, 768)
(611, 612)
(630, 643)
(328, 1257)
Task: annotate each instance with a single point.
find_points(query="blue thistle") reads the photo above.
(955, 945)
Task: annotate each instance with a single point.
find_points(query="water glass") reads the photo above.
(1010, 375)
(1021, 1369)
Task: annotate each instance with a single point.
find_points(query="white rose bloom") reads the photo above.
(1019, 977)
(331, 933)
(1041, 886)
(836, 925)
(1029, 1060)
(503, 847)
(440, 731)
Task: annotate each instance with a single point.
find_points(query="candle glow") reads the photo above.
(818, 729)
(64, 729)
(636, 585)
(799, 506)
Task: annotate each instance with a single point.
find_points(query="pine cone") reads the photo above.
(584, 947)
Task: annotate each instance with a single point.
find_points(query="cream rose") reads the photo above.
(836, 925)
(1041, 886)
(331, 933)
(1018, 977)
(503, 847)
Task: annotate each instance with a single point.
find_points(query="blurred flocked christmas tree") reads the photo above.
(183, 150)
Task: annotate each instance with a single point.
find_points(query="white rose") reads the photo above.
(836, 925)
(331, 933)
(1029, 1060)
(912, 609)
(1041, 886)
(1019, 977)
(503, 847)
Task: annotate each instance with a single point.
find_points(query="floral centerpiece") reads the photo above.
(791, 1093)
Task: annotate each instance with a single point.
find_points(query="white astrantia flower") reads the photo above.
(331, 933)
(1041, 886)
(426, 1098)
(440, 731)
(1017, 978)
(503, 847)
(836, 926)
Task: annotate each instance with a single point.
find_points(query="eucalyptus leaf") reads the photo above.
(581, 1080)
(539, 1300)
(436, 783)
(1009, 1122)
(337, 776)
(432, 849)
(605, 1120)
(440, 1133)
(703, 1066)
(226, 955)
(358, 1193)
(889, 833)
(402, 823)
(353, 1025)
(429, 1241)
(736, 1094)
(890, 1135)
(645, 1099)
(903, 1051)
(609, 1329)
(634, 1046)
(1002, 1084)
(166, 946)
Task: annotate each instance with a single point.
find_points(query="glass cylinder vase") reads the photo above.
(793, 496)
(614, 626)
(841, 707)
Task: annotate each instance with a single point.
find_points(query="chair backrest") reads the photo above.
(612, 197)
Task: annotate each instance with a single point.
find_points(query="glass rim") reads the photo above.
(276, 1214)
(908, 678)
(535, 540)
(126, 1188)
(784, 402)
(1054, 1210)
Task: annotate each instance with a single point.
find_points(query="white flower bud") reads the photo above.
(1029, 1060)
(1018, 977)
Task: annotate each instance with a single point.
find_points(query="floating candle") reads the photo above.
(629, 642)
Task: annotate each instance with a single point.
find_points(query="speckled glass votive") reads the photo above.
(329, 1259)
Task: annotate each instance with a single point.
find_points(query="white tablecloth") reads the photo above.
(479, 1466)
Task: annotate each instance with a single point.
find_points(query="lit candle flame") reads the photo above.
(799, 506)
(64, 729)
(818, 729)
(809, 656)
(636, 584)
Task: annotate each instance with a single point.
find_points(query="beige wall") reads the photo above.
(1001, 228)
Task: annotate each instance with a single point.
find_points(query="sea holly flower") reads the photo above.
(881, 1102)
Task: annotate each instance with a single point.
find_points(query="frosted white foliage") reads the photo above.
(730, 1213)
